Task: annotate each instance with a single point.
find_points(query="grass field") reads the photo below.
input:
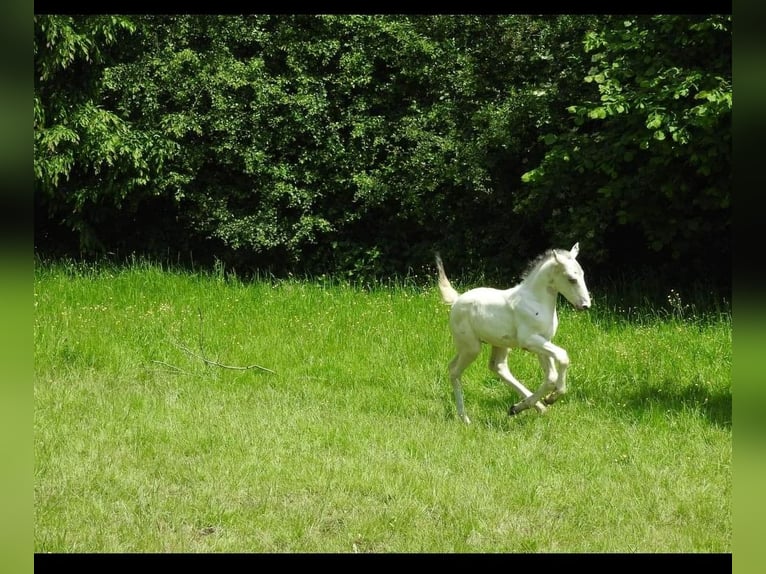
(352, 443)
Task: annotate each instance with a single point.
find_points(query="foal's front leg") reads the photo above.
(555, 382)
(498, 364)
(549, 368)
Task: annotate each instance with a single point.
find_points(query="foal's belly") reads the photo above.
(504, 329)
(498, 333)
(499, 339)
(486, 314)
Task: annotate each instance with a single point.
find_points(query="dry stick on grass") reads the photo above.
(207, 361)
(176, 369)
(217, 364)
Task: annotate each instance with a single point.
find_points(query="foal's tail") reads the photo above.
(449, 295)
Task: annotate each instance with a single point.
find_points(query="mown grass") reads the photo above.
(353, 444)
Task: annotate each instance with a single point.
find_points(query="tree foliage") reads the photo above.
(646, 155)
(85, 153)
(358, 144)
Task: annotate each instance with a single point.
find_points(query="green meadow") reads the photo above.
(200, 412)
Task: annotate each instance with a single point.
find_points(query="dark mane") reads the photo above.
(539, 260)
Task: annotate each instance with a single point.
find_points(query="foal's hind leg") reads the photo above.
(498, 364)
(465, 356)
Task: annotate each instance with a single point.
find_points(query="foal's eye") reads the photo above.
(572, 280)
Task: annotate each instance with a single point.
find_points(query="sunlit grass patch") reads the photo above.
(352, 443)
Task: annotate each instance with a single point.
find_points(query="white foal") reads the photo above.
(523, 316)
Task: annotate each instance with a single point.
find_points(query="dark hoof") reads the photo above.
(512, 411)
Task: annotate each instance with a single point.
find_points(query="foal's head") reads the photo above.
(569, 279)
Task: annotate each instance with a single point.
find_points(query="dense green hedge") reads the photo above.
(357, 145)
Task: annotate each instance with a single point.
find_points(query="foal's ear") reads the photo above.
(575, 250)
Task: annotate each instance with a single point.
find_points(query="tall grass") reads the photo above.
(352, 445)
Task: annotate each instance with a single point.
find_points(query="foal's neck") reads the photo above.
(539, 282)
